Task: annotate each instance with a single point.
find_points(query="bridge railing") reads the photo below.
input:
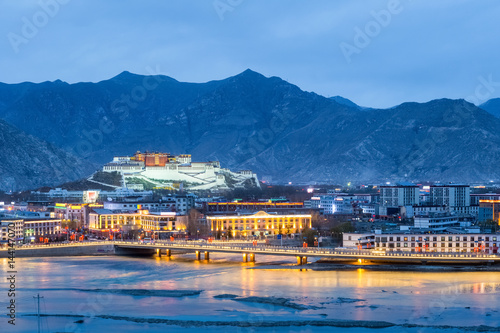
(275, 249)
(316, 251)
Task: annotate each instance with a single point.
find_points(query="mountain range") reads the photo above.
(247, 121)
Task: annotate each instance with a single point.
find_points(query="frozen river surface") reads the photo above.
(124, 294)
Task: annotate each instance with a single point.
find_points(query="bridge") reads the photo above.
(250, 250)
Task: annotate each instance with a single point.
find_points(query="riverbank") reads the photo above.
(61, 251)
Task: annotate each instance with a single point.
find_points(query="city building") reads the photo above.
(181, 204)
(475, 198)
(258, 224)
(159, 223)
(436, 222)
(399, 195)
(34, 229)
(489, 210)
(92, 196)
(339, 203)
(450, 195)
(212, 207)
(6, 227)
(417, 242)
(77, 213)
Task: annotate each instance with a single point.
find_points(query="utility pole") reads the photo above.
(38, 309)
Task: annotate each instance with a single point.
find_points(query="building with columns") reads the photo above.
(258, 224)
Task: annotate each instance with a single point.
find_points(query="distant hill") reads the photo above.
(28, 162)
(347, 102)
(492, 106)
(266, 124)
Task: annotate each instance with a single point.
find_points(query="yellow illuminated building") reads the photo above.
(258, 224)
(107, 220)
(494, 206)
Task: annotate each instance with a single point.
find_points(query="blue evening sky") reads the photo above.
(376, 53)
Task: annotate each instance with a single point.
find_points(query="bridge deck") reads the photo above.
(261, 249)
(319, 252)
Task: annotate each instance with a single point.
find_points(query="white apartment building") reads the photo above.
(399, 195)
(436, 222)
(477, 243)
(452, 195)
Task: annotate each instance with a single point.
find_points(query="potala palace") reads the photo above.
(163, 170)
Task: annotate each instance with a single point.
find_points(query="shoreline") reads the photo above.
(340, 323)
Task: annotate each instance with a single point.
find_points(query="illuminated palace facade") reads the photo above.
(259, 224)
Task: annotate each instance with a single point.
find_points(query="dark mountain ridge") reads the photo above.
(249, 121)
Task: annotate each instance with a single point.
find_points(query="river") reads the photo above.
(129, 294)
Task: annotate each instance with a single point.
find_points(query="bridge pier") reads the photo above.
(301, 260)
(207, 255)
(168, 252)
(248, 257)
(197, 255)
(158, 253)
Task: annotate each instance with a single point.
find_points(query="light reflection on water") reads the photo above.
(395, 296)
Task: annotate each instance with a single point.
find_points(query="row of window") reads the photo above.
(471, 245)
(435, 238)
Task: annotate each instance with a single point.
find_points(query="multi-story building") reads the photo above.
(258, 224)
(475, 198)
(78, 213)
(450, 195)
(9, 225)
(484, 243)
(213, 207)
(105, 220)
(34, 229)
(489, 210)
(436, 222)
(92, 196)
(181, 204)
(340, 203)
(399, 195)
